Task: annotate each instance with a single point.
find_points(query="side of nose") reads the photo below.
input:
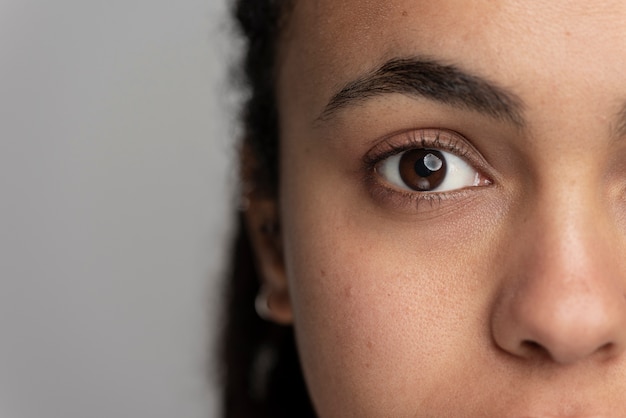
(562, 298)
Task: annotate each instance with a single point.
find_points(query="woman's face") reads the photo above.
(453, 205)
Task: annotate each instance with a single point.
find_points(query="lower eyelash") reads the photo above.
(405, 200)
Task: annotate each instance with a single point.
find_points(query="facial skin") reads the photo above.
(502, 298)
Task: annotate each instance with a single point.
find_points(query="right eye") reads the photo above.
(428, 170)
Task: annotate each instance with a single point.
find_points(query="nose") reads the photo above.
(562, 296)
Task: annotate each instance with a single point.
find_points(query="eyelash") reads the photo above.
(433, 138)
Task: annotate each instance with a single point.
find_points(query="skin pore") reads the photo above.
(499, 296)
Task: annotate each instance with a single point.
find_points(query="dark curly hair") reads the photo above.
(259, 362)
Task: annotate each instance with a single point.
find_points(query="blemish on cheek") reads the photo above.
(347, 291)
(405, 13)
(370, 345)
(323, 273)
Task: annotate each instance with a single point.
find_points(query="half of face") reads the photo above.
(452, 206)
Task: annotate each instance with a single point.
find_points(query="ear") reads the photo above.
(264, 230)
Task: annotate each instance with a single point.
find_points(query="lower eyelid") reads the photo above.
(420, 202)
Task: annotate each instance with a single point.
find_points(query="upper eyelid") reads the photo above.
(436, 138)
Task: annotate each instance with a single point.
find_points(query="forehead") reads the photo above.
(517, 43)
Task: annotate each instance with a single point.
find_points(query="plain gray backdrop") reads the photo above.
(116, 182)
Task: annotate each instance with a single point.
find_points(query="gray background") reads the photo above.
(116, 186)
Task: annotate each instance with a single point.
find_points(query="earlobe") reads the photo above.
(273, 305)
(262, 221)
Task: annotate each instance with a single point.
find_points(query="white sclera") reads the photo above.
(459, 174)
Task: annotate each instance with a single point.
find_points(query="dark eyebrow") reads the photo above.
(431, 80)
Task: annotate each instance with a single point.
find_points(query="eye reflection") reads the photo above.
(428, 170)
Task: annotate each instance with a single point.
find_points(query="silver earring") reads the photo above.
(261, 304)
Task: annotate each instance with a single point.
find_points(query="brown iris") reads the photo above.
(423, 169)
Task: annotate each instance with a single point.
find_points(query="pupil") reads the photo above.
(423, 169)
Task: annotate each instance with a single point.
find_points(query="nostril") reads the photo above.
(606, 348)
(534, 349)
(532, 345)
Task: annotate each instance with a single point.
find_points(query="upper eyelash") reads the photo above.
(413, 139)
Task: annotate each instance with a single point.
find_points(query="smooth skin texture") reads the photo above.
(501, 299)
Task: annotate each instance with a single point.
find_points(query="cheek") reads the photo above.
(385, 312)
